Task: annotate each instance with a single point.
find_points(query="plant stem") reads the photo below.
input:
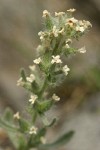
(29, 143)
(43, 88)
(34, 116)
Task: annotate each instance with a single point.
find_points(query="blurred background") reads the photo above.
(79, 109)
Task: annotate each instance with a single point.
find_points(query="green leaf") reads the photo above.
(35, 140)
(21, 142)
(13, 138)
(24, 125)
(10, 128)
(6, 121)
(8, 115)
(23, 75)
(41, 133)
(35, 86)
(48, 23)
(28, 86)
(61, 141)
(46, 61)
(44, 106)
(58, 72)
(7, 125)
(46, 122)
(52, 123)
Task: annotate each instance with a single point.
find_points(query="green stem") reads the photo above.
(34, 116)
(43, 88)
(29, 143)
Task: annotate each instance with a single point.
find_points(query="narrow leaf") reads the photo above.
(8, 115)
(46, 122)
(61, 141)
(23, 75)
(23, 125)
(35, 86)
(48, 23)
(44, 106)
(21, 142)
(7, 125)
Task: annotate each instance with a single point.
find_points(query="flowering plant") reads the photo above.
(47, 71)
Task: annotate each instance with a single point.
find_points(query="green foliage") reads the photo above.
(63, 139)
(46, 72)
(60, 141)
(23, 125)
(44, 106)
(23, 74)
(37, 139)
(8, 115)
(48, 23)
(46, 122)
(6, 121)
(22, 142)
(35, 87)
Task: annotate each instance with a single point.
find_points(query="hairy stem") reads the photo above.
(43, 88)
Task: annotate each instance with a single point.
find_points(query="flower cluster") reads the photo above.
(56, 41)
(61, 27)
(48, 68)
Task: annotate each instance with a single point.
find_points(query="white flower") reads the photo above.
(20, 82)
(45, 13)
(65, 69)
(67, 46)
(16, 115)
(82, 50)
(81, 23)
(55, 31)
(87, 23)
(56, 59)
(81, 29)
(42, 38)
(37, 61)
(73, 20)
(41, 34)
(32, 68)
(61, 31)
(43, 140)
(55, 97)
(33, 130)
(33, 99)
(69, 41)
(31, 78)
(59, 14)
(70, 24)
(71, 10)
